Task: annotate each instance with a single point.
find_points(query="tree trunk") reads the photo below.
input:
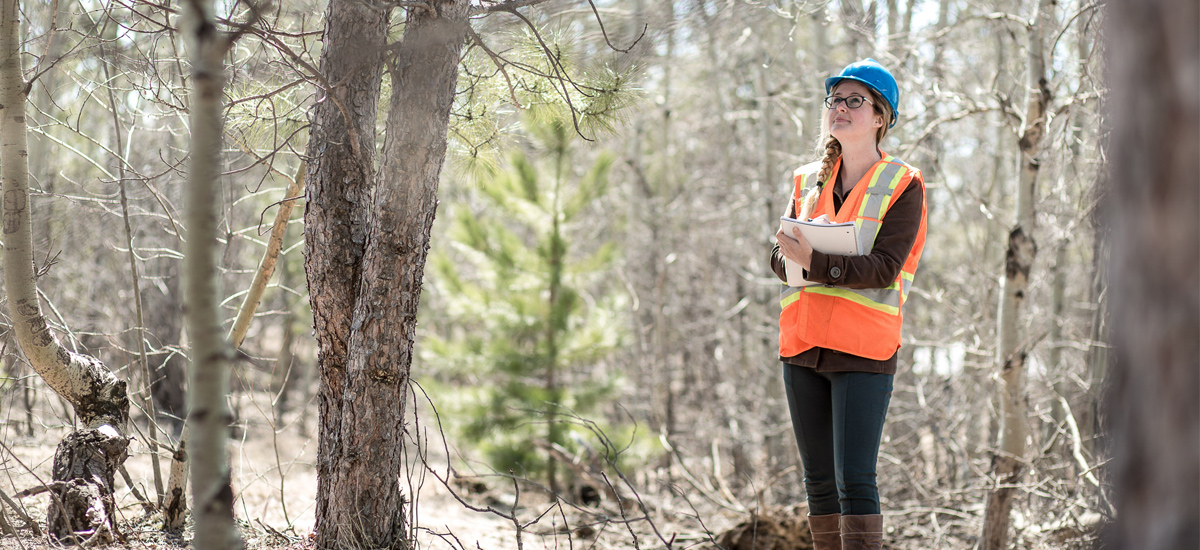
(367, 255)
(145, 393)
(174, 508)
(341, 171)
(1153, 53)
(86, 461)
(1056, 368)
(555, 314)
(208, 412)
(893, 30)
(1008, 462)
(662, 185)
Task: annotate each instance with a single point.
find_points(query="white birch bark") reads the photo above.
(89, 457)
(1009, 461)
(208, 414)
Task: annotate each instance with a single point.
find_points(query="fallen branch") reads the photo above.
(266, 268)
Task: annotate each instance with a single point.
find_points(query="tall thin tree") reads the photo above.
(208, 413)
(1008, 462)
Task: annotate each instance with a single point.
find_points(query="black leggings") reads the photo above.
(838, 419)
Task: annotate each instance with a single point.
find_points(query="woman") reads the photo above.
(838, 338)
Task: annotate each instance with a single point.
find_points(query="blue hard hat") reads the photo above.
(871, 73)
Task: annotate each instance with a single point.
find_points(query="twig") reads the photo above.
(140, 328)
(147, 506)
(510, 5)
(560, 72)
(929, 128)
(33, 491)
(498, 61)
(708, 492)
(516, 501)
(604, 31)
(17, 509)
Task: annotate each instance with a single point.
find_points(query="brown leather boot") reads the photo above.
(862, 532)
(826, 531)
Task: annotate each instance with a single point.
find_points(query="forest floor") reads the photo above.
(275, 486)
(276, 512)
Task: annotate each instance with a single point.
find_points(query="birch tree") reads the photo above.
(1013, 347)
(208, 413)
(82, 505)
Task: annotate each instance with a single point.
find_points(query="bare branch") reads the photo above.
(499, 61)
(508, 6)
(560, 72)
(266, 268)
(600, 21)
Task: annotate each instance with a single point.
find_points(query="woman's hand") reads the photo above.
(794, 246)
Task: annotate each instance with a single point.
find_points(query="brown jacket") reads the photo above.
(878, 269)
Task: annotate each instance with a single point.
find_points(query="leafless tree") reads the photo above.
(87, 461)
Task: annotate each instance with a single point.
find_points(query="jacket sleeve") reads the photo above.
(895, 240)
(777, 256)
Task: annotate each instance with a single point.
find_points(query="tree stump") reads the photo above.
(82, 504)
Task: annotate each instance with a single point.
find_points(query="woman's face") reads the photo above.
(851, 125)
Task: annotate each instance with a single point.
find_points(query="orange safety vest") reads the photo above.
(863, 322)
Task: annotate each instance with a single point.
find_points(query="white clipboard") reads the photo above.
(840, 239)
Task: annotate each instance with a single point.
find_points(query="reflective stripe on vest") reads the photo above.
(878, 197)
(887, 300)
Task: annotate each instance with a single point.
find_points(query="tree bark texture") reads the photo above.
(1153, 56)
(86, 461)
(341, 170)
(366, 244)
(174, 507)
(208, 413)
(1009, 461)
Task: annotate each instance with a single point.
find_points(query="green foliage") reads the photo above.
(549, 76)
(528, 320)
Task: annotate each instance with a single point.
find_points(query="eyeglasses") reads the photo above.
(852, 102)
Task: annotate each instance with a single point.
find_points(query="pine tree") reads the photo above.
(532, 318)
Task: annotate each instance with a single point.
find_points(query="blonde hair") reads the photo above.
(830, 148)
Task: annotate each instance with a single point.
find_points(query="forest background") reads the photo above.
(598, 318)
